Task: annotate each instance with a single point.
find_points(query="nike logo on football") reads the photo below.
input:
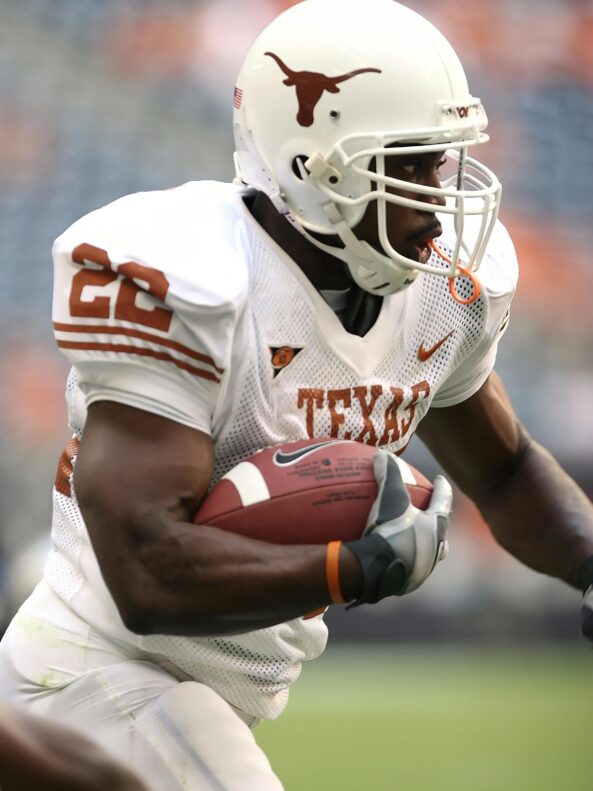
(426, 354)
(283, 459)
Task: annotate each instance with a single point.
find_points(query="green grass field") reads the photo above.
(391, 719)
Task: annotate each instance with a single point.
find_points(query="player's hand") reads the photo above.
(587, 614)
(401, 544)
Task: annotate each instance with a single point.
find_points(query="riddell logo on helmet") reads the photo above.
(464, 110)
(310, 86)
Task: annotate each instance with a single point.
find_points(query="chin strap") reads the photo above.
(361, 261)
(376, 273)
(465, 272)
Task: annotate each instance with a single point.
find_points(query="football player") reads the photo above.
(353, 282)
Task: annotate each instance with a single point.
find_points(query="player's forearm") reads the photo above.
(540, 515)
(199, 580)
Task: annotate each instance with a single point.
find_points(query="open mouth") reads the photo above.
(423, 252)
(421, 242)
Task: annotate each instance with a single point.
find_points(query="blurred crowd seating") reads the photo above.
(99, 98)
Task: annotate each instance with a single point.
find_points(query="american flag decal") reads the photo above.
(237, 98)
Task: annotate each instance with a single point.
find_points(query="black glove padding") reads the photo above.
(401, 544)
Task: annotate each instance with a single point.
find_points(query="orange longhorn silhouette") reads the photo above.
(310, 86)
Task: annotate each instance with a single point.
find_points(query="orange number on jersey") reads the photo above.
(125, 302)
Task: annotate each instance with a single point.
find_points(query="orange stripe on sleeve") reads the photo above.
(106, 329)
(122, 348)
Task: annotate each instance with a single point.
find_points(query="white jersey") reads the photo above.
(178, 303)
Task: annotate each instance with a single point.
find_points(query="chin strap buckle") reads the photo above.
(320, 170)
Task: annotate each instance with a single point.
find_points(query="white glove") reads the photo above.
(401, 544)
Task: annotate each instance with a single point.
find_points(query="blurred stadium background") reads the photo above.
(99, 98)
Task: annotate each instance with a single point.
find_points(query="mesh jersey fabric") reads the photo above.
(200, 351)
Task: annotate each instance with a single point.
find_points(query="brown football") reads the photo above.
(304, 492)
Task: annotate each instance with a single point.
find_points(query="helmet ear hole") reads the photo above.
(298, 166)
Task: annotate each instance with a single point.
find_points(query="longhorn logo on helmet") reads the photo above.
(310, 86)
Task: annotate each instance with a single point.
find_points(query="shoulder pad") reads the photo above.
(193, 234)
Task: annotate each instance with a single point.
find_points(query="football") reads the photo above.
(305, 492)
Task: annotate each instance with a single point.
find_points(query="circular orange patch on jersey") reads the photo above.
(282, 357)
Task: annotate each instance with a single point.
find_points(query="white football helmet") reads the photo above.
(323, 95)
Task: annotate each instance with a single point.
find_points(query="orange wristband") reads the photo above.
(332, 572)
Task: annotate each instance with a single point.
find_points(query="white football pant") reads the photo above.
(173, 734)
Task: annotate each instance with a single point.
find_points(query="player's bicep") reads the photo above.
(478, 441)
(130, 459)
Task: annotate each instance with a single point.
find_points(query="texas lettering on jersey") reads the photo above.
(385, 415)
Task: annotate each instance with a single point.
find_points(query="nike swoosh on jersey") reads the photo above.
(283, 459)
(425, 354)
